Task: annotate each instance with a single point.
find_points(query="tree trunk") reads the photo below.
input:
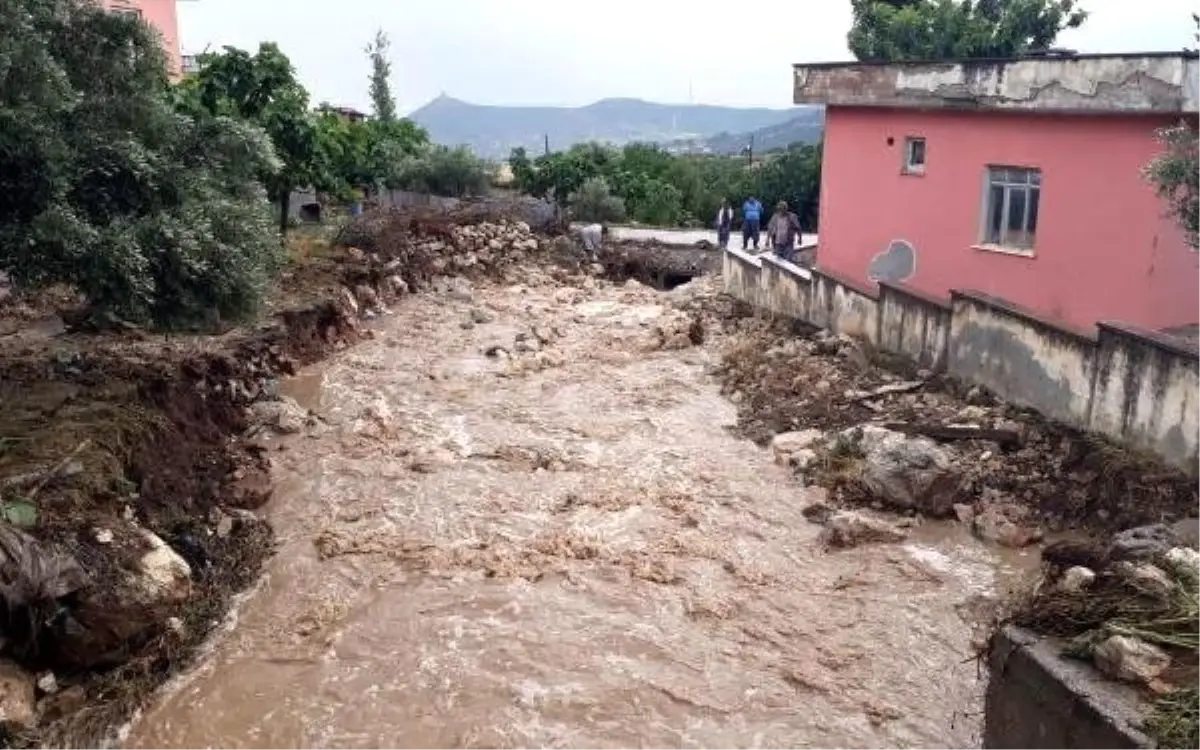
(285, 202)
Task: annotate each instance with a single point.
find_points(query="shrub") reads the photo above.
(594, 201)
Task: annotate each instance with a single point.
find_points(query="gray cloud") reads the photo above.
(551, 52)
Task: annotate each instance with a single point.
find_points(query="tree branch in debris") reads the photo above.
(942, 432)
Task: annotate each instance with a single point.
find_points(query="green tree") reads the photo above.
(381, 73)
(1175, 174)
(393, 144)
(594, 201)
(452, 172)
(262, 89)
(151, 214)
(900, 30)
(105, 186)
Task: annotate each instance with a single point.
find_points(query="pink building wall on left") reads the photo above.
(160, 14)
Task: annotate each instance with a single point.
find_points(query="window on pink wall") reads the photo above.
(914, 155)
(1010, 209)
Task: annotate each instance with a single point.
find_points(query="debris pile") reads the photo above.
(910, 440)
(398, 252)
(660, 266)
(1131, 607)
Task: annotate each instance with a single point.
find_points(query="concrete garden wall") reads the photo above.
(1138, 387)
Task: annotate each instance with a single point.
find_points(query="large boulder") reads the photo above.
(164, 575)
(910, 473)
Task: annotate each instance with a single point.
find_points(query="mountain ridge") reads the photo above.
(492, 131)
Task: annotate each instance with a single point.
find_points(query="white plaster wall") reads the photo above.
(742, 274)
(786, 288)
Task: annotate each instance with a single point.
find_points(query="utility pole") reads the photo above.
(547, 137)
(750, 152)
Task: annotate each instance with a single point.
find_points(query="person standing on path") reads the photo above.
(751, 221)
(783, 231)
(724, 223)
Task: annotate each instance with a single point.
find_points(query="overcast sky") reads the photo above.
(556, 52)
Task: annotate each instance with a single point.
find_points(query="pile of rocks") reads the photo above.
(890, 470)
(410, 255)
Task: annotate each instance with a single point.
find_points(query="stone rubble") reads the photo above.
(1130, 659)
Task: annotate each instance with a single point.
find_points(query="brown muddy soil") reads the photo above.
(790, 377)
(104, 436)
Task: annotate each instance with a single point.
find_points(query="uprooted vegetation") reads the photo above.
(1131, 608)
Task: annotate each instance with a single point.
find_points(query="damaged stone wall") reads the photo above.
(1020, 357)
(1146, 83)
(1140, 388)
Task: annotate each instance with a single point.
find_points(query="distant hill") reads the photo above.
(493, 131)
(804, 128)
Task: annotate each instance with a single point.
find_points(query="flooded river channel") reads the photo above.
(567, 547)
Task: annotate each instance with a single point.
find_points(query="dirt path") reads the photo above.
(567, 548)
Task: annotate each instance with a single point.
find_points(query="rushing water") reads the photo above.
(567, 549)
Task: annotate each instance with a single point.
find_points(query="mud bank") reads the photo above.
(128, 493)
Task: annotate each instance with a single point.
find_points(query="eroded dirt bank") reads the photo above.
(524, 519)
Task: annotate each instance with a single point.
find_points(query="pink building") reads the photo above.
(1020, 178)
(162, 16)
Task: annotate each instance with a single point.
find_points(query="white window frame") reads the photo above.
(910, 144)
(1010, 179)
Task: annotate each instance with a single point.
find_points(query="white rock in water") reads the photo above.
(786, 444)
(284, 416)
(850, 529)
(1130, 659)
(804, 459)
(48, 683)
(1077, 578)
(18, 703)
(165, 575)
(104, 536)
(1184, 560)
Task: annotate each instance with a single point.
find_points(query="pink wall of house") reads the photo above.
(1103, 248)
(161, 14)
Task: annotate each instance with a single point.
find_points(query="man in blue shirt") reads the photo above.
(751, 222)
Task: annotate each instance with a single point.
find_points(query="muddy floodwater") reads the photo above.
(568, 547)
